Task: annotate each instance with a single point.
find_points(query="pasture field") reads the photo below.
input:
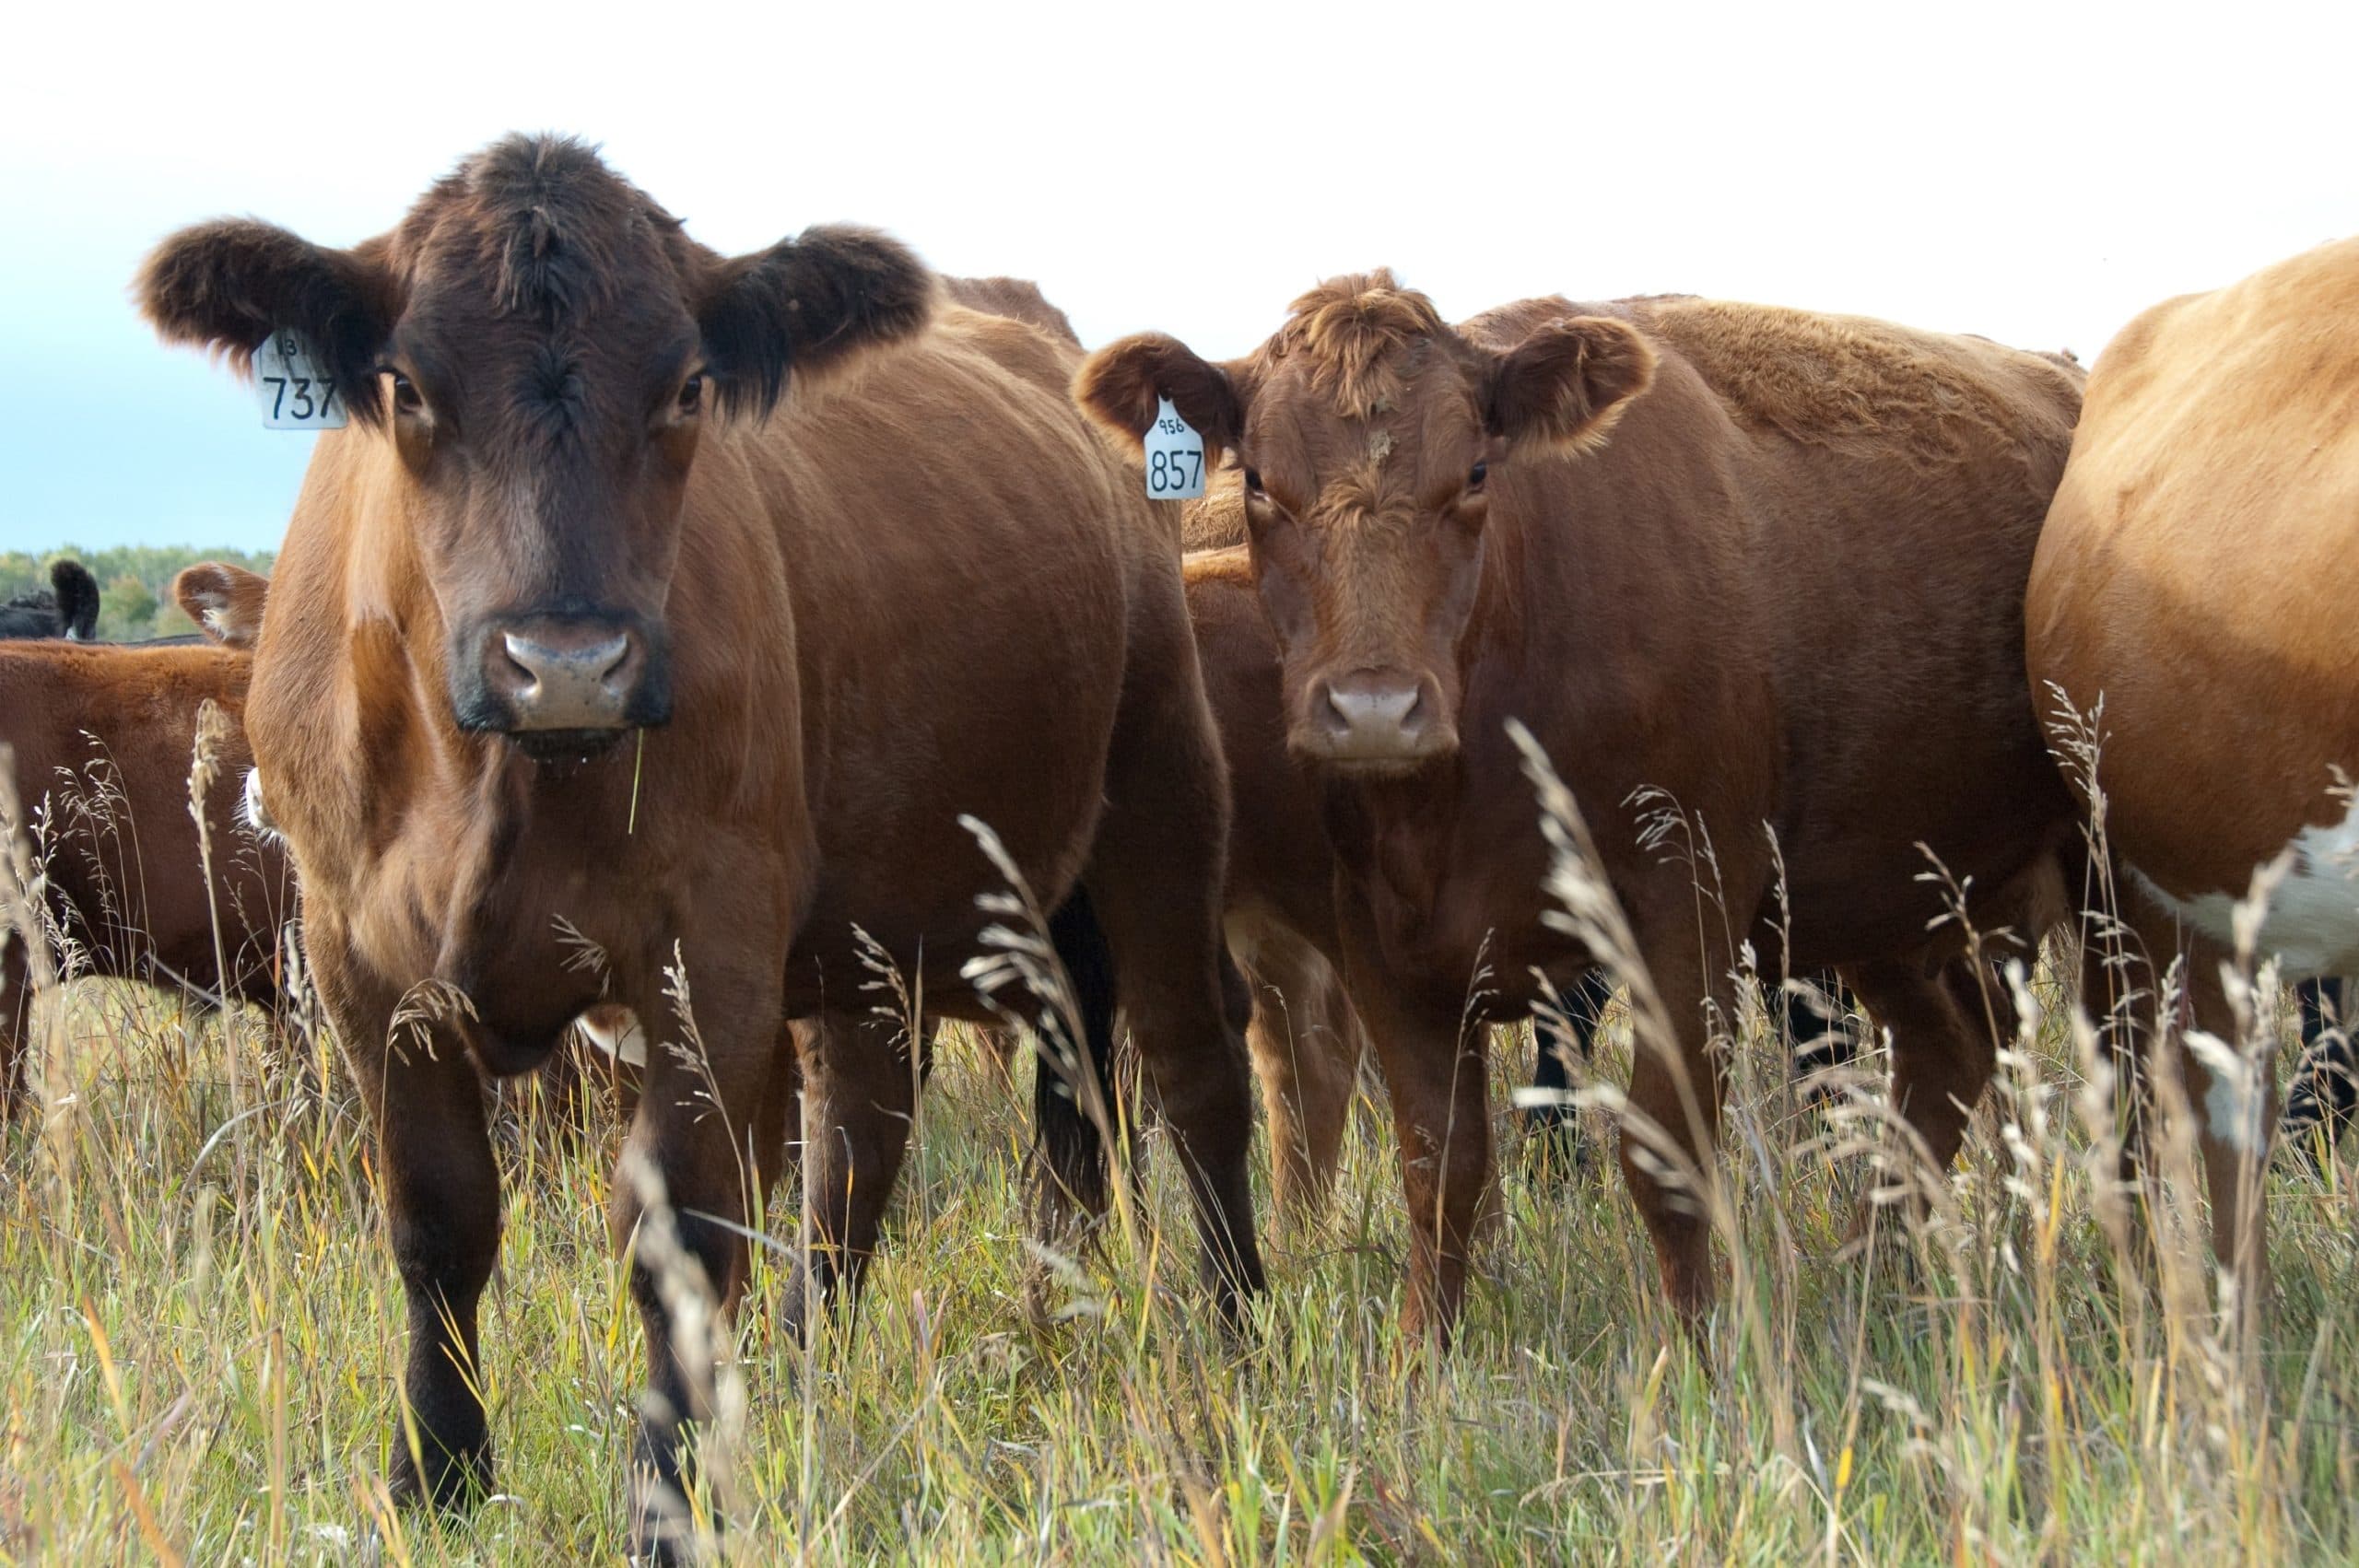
(200, 1334)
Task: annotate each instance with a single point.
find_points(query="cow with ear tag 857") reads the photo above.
(1621, 525)
(678, 605)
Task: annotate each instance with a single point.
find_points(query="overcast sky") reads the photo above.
(2034, 173)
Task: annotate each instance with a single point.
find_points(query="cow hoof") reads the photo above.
(1553, 1147)
(453, 1482)
(663, 1531)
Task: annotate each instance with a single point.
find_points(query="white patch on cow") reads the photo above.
(628, 1045)
(252, 813)
(2231, 1109)
(2312, 922)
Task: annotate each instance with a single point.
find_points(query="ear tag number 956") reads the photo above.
(295, 394)
(1175, 456)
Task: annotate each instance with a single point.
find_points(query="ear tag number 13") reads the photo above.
(1175, 456)
(295, 394)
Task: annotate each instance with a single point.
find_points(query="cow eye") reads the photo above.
(1474, 480)
(405, 398)
(692, 393)
(1253, 480)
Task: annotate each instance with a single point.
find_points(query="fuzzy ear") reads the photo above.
(807, 303)
(226, 286)
(226, 601)
(1119, 385)
(1568, 381)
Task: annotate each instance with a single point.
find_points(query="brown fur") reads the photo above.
(1655, 608)
(930, 590)
(125, 874)
(1016, 297)
(2193, 578)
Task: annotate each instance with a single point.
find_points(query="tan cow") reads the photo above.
(2192, 579)
(581, 678)
(1766, 563)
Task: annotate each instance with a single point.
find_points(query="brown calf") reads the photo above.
(104, 740)
(580, 679)
(2190, 580)
(1622, 525)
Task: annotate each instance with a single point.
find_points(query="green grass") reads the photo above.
(200, 1337)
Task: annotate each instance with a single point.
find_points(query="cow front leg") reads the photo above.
(858, 1093)
(440, 1189)
(698, 1152)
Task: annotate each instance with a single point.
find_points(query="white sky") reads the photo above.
(2035, 172)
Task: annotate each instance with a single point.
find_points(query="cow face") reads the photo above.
(1367, 433)
(540, 349)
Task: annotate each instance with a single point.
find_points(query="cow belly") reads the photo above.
(2312, 925)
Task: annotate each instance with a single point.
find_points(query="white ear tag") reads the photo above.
(295, 395)
(1175, 456)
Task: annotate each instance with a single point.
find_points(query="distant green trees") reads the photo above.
(135, 582)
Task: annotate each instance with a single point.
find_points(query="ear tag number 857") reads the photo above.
(295, 394)
(1175, 456)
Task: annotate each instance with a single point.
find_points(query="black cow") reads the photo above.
(67, 608)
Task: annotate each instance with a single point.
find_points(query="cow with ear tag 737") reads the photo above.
(646, 636)
(1619, 524)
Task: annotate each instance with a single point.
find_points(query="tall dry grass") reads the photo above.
(200, 1340)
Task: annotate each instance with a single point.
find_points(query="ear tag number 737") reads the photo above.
(1175, 456)
(295, 394)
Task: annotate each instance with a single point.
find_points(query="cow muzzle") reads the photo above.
(563, 683)
(1382, 720)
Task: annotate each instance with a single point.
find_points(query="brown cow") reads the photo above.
(923, 586)
(1622, 525)
(2190, 579)
(104, 739)
(1017, 298)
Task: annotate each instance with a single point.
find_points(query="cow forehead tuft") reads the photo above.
(543, 222)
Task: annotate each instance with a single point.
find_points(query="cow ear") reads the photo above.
(1568, 383)
(805, 304)
(226, 601)
(226, 285)
(1119, 384)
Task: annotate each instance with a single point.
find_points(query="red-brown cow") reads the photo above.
(922, 587)
(104, 738)
(1766, 562)
(2190, 579)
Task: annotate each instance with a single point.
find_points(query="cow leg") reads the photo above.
(2324, 1095)
(2233, 1121)
(857, 1099)
(1069, 1178)
(695, 1145)
(440, 1187)
(1943, 1053)
(1155, 878)
(1436, 1066)
(1306, 1046)
(1554, 1125)
(1671, 1159)
(16, 1022)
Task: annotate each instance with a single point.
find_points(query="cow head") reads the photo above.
(539, 348)
(1367, 432)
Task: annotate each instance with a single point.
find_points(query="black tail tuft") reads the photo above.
(77, 599)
